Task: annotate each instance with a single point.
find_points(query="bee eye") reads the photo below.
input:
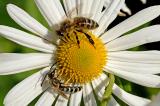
(66, 26)
(59, 33)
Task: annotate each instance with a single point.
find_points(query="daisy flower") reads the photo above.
(87, 62)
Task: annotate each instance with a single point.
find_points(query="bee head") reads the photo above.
(66, 24)
(60, 33)
(51, 75)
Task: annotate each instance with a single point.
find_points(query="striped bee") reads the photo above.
(58, 86)
(77, 24)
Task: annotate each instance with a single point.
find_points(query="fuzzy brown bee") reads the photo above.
(77, 24)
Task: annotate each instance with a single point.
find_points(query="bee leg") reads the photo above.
(88, 37)
(68, 36)
(52, 67)
(48, 73)
(65, 85)
(78, 42)
(63, 94)
(63, 39)
(60, 92)
(62, 36)
(44, 79)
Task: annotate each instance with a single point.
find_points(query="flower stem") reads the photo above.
(108, 90)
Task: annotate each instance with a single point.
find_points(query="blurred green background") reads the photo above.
(7, 82)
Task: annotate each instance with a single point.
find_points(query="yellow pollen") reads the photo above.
(80, 63)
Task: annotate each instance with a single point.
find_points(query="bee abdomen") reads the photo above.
(70, 89)
(85, 23)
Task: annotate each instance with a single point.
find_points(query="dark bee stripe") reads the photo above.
(89, 23)
(76, 90)
(86, 23)
(70, 89)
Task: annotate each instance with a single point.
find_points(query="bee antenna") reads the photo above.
(48, 73)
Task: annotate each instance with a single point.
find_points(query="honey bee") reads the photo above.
(61, 88)
(77, 24)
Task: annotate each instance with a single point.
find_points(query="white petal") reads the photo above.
(135, 56)
(147, 80)
(88, 96)
(140, 68)
(134, 21)
(29, 23)
(129, 99)
(12, 63)
(27, 90)
(109, 15)
(75, 99)
(71, 7)
(126, 9)
(26, 39)
(96, 9)
(82, 8)
(85, 8)
(143, 36)
(114, 14)
(47, 98)
(144, 62)
(99, 85)
(61, 101)
(144, 1)
(122, 14)
(107, 3)
(155, 100)
(113, 102)
(52, 11)
(95, 12)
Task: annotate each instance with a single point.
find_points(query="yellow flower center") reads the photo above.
(80, 63)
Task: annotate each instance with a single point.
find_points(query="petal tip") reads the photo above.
(9, 6)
